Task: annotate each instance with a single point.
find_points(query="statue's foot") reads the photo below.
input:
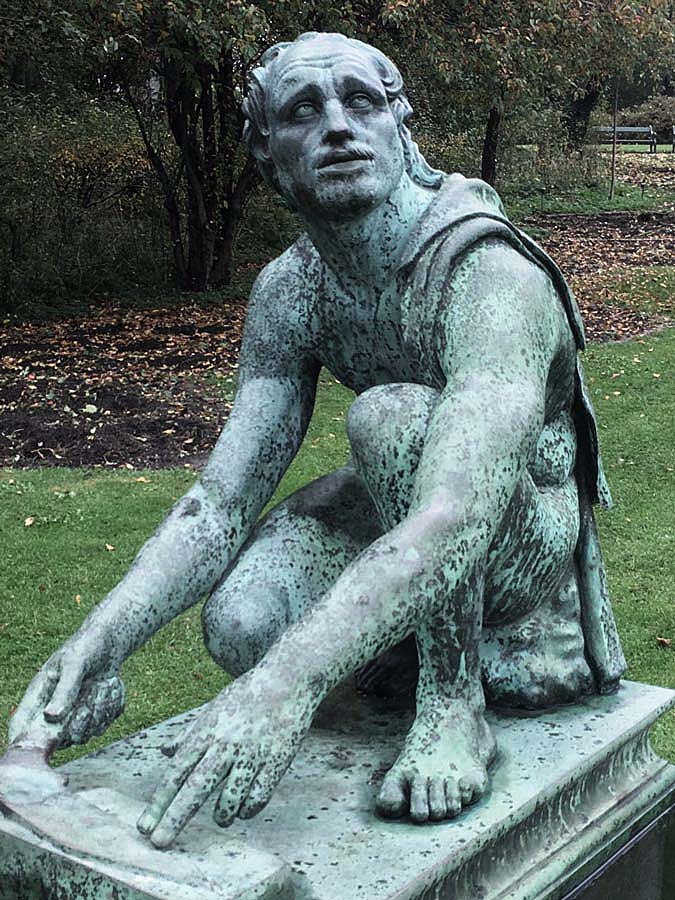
(443, 765)
(393, 673)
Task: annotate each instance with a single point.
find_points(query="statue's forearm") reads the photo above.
(179, 564)
(191, 549)
(376, 602)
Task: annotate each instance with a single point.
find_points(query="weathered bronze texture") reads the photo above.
(464, 515)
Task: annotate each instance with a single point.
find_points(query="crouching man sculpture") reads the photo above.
(463, 516)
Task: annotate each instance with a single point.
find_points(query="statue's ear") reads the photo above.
(257, 141)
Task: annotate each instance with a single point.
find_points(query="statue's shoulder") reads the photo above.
(287, 278)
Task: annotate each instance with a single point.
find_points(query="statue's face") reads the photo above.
(333, 138)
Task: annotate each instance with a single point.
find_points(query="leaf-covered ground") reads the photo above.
(117, 387)
(620, 265)
(145, 388)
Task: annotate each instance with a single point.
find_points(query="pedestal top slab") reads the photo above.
(561, 781)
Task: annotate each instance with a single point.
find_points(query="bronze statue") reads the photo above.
(464, 516)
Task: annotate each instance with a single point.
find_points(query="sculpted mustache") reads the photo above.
(345, 155)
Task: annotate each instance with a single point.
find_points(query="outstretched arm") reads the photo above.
(203, 532)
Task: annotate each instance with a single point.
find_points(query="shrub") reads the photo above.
(80, 215)
(658, 111)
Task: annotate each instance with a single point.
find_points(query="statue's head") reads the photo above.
(326, 120)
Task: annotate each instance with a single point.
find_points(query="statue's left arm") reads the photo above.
(501, 330)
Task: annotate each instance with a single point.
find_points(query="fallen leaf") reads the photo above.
(78, 599)
(109, 548)
(143, 480)
(664, 642)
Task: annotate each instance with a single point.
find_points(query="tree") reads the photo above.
(498, 57)
(184, 64)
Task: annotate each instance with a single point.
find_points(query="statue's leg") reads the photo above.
(533, 643)
(293, 556)
(526, 569)
(387, 426)
(444, 760)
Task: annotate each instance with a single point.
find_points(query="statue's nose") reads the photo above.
(336, 124)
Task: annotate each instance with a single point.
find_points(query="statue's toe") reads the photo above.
(392, 801)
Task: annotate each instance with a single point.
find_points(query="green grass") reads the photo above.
(586, 199)
(633, 386)
(639, 148)
(62, 555)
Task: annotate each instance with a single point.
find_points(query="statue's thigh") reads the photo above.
(533, 550)
(296, 553)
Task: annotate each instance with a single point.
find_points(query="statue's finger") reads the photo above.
(178, 772)
(65, 693)
(37, 694)
(107, 704)
(260, 793)
(183, 735)
(78, 725)
(195, 791)
(234, 792)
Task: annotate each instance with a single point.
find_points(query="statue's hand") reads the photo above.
(77, 690)
(240, 745)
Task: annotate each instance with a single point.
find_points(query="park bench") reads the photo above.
(638, 134)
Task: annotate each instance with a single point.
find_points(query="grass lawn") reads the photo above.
(588, 199)
(69, 535)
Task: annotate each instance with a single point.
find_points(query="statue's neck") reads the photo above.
(366, 250)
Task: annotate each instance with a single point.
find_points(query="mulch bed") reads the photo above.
(595, 251)
(139, 388)
(117, 387)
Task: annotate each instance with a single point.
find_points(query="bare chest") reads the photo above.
(361, 340)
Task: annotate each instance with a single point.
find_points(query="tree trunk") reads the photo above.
(578, 114)
(488, 165)
(230, 221)
(206, 125)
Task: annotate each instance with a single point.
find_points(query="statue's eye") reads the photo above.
(303, 110)
(359, 101)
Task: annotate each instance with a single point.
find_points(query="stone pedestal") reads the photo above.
(568, 789)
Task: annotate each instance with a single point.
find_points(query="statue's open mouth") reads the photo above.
(344, 160)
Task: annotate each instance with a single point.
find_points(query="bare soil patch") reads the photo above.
(117, 387)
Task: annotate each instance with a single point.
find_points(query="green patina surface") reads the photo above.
(464, 516)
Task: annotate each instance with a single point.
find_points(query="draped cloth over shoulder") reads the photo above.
(465, 213)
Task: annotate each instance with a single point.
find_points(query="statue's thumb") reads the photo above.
(64, 696)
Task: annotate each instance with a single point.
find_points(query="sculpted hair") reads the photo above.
(256, 129)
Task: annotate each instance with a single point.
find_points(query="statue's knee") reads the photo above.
(233, 631)
(389, 412)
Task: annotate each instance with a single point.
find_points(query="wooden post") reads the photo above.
(615, 112)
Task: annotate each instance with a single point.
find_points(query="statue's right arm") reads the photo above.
(187, 555)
